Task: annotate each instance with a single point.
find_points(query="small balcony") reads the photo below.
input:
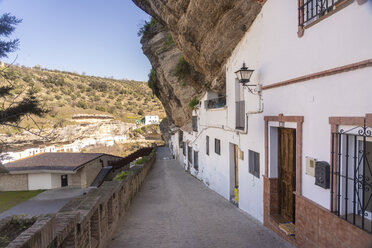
(240, 115)
(215, 103)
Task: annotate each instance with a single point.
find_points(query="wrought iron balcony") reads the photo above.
(240, 114)
(311, 10)
(215, 103)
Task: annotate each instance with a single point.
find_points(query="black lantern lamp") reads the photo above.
(244, 75)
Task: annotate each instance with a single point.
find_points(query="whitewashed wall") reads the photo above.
(272, 48)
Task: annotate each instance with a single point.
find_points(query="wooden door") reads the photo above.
(64, 181)
(287, 172)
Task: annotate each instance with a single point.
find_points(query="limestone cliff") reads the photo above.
(205, 32)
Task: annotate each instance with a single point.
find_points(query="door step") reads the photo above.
(288, 228)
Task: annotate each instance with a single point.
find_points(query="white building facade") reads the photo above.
(268, 148)
(150, 119)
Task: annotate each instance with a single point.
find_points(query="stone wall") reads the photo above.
(88, 220)
(17, 182)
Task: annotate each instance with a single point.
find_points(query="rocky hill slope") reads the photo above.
(66, 94)
(205, 33)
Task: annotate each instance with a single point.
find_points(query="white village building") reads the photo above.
(296, 145)
(150, 119)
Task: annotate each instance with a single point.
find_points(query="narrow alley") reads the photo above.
(173, 209)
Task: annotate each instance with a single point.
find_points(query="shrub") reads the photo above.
(142, 160)
(182, 68)
(101, 108)
(193, 102)
(146, 27)
(140, 112)
(82, 104)
(152, 80)
(168, 41)
(123, 175)
(99, 86)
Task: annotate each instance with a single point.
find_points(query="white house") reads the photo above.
(53, 170)
(295, 147)
(150, 119)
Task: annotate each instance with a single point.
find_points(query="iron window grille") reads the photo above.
(184, 149)
(215, 103)
(240, 112)
(351, 176)
(195, 123)
(196, 160)
(311, 10)
(189, 154)
(207, 145)
(254, 163)
(217, 146)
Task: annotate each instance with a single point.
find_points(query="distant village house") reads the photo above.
(53, 170)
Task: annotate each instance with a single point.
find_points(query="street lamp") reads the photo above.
(244, 75)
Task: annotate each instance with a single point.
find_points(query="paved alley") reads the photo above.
(173, 209)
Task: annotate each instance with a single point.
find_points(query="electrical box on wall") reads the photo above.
(322, 174)
(310, 166)
(241, 154)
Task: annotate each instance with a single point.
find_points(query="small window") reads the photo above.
(195, 123)
(189, 154)
(217, 146)
(207, 145)
(184, 148)
(196, 160)
(254, 163)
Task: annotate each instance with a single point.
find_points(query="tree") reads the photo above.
(15, 105)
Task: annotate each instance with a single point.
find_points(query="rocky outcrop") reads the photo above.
(174, 92)
(205, 32)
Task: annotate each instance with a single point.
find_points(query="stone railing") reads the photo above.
(88, 220)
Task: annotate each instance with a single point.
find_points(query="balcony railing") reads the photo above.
(215, 103)
(240, 113)
(311, 10)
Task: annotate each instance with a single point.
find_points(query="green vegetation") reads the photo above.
(146, 27)
(168, 41)
(182, 69)
(65, 94)
(193, 102)
(14, 228)
(152, 80)
(122, 175)
(142, 160)
(9, 199)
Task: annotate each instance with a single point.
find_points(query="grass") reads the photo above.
(9, 199)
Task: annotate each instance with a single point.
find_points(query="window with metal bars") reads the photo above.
(184, 149)
(195, 123)
(351, 176)
(311, 10)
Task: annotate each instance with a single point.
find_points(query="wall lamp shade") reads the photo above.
(244, 75)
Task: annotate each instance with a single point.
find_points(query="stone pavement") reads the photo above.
(173, 209)
(47, 202)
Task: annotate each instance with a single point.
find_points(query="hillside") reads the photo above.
(65, 94)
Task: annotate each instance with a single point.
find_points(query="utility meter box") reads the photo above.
(310, 166)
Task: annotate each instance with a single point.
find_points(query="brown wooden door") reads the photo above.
(287, 172)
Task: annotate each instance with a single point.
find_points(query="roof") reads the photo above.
(53, 161)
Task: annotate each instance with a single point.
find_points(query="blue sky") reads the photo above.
(96, 37)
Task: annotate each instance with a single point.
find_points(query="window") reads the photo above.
(189, 154)
(254, 163)
(180, 138)
(196, 160)
(351, 180)
(312, 10)
(195, 123)
(217, 146)
(207, 145)
(240, 115)
(184, 148)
